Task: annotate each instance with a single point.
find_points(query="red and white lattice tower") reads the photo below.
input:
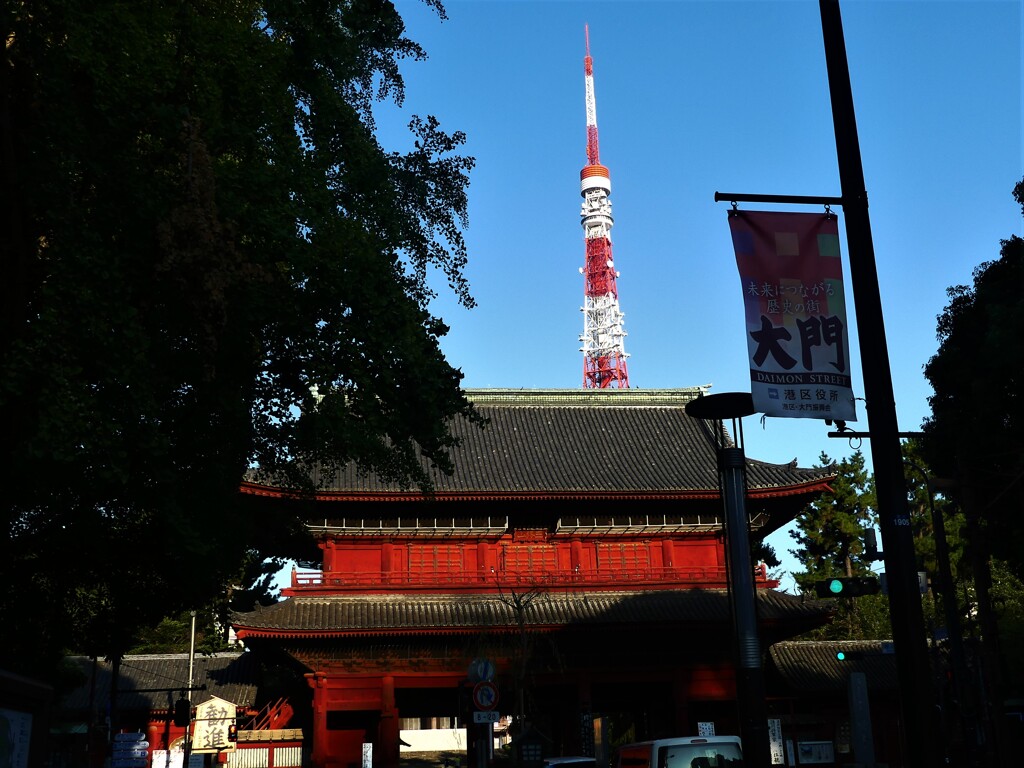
(604, 354)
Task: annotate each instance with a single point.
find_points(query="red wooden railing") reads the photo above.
(431, 579)
(273, 716)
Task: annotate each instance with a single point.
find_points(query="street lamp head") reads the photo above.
(724, 405)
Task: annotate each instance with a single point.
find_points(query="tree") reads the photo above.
(830, 537)
(763, 552)
(830, 530)
(975, 434)
(520, 603)
(974, 439)
(928, 505)
(212, 266)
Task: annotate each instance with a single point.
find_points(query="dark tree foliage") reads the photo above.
(975, 435)
(927, 502)
(947, 603)
(210, 265)
(973, 440)
(763, 552)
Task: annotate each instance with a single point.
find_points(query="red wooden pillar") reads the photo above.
(576, 565)
(387, 564)
(318, 682)
(388, 728)
(484, 561)
(667, 552)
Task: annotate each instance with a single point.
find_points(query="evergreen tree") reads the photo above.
(830, 530)
(928, 506)
(975, 438)
(830, 542)
(975, 435)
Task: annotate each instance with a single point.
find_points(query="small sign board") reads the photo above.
(174, 758)
(488, 716)
(775, 741)
(485, 695)
(811, 752)
(482, 669)
(122, 752)
(706, 728)
(137, 736)
(211, 726)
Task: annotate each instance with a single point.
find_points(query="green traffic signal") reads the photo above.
(847, 586)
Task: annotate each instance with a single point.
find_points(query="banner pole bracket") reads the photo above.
(734, 198)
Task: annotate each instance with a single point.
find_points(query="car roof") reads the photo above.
(563, 760)
(684, 740)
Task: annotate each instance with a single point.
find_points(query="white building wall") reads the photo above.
(433, 740)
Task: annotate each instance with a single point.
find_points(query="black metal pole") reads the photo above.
(750, 687)
(732, 467)
(917, 696)
(744, 197)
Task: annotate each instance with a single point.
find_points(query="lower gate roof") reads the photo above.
(363, 615)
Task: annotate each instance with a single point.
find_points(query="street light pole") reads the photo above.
(187, 744)
(732, 466)
(917, 697)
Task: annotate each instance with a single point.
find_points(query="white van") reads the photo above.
(682, 752)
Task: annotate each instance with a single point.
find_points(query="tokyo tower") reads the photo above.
(604, 354)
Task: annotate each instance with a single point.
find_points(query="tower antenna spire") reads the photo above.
(604, 354)
(593, 155)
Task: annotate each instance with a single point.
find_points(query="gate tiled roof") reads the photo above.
(565, 443)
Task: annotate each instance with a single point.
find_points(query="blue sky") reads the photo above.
(695, 97)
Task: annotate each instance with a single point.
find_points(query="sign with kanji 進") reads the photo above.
(213, 719)
(795, 309)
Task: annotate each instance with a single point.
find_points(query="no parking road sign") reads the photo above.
(485, 695)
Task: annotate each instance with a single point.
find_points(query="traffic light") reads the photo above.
(847, 586)
(871, 545)
(182, 712)
(232, 732)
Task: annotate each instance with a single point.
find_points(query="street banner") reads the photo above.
(795, 308)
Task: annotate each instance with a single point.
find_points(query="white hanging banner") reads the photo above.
(795, 307)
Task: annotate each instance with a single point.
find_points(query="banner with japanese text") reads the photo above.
(795, 307)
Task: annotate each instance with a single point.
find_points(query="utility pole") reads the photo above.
(191, 674)
(917, 695)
